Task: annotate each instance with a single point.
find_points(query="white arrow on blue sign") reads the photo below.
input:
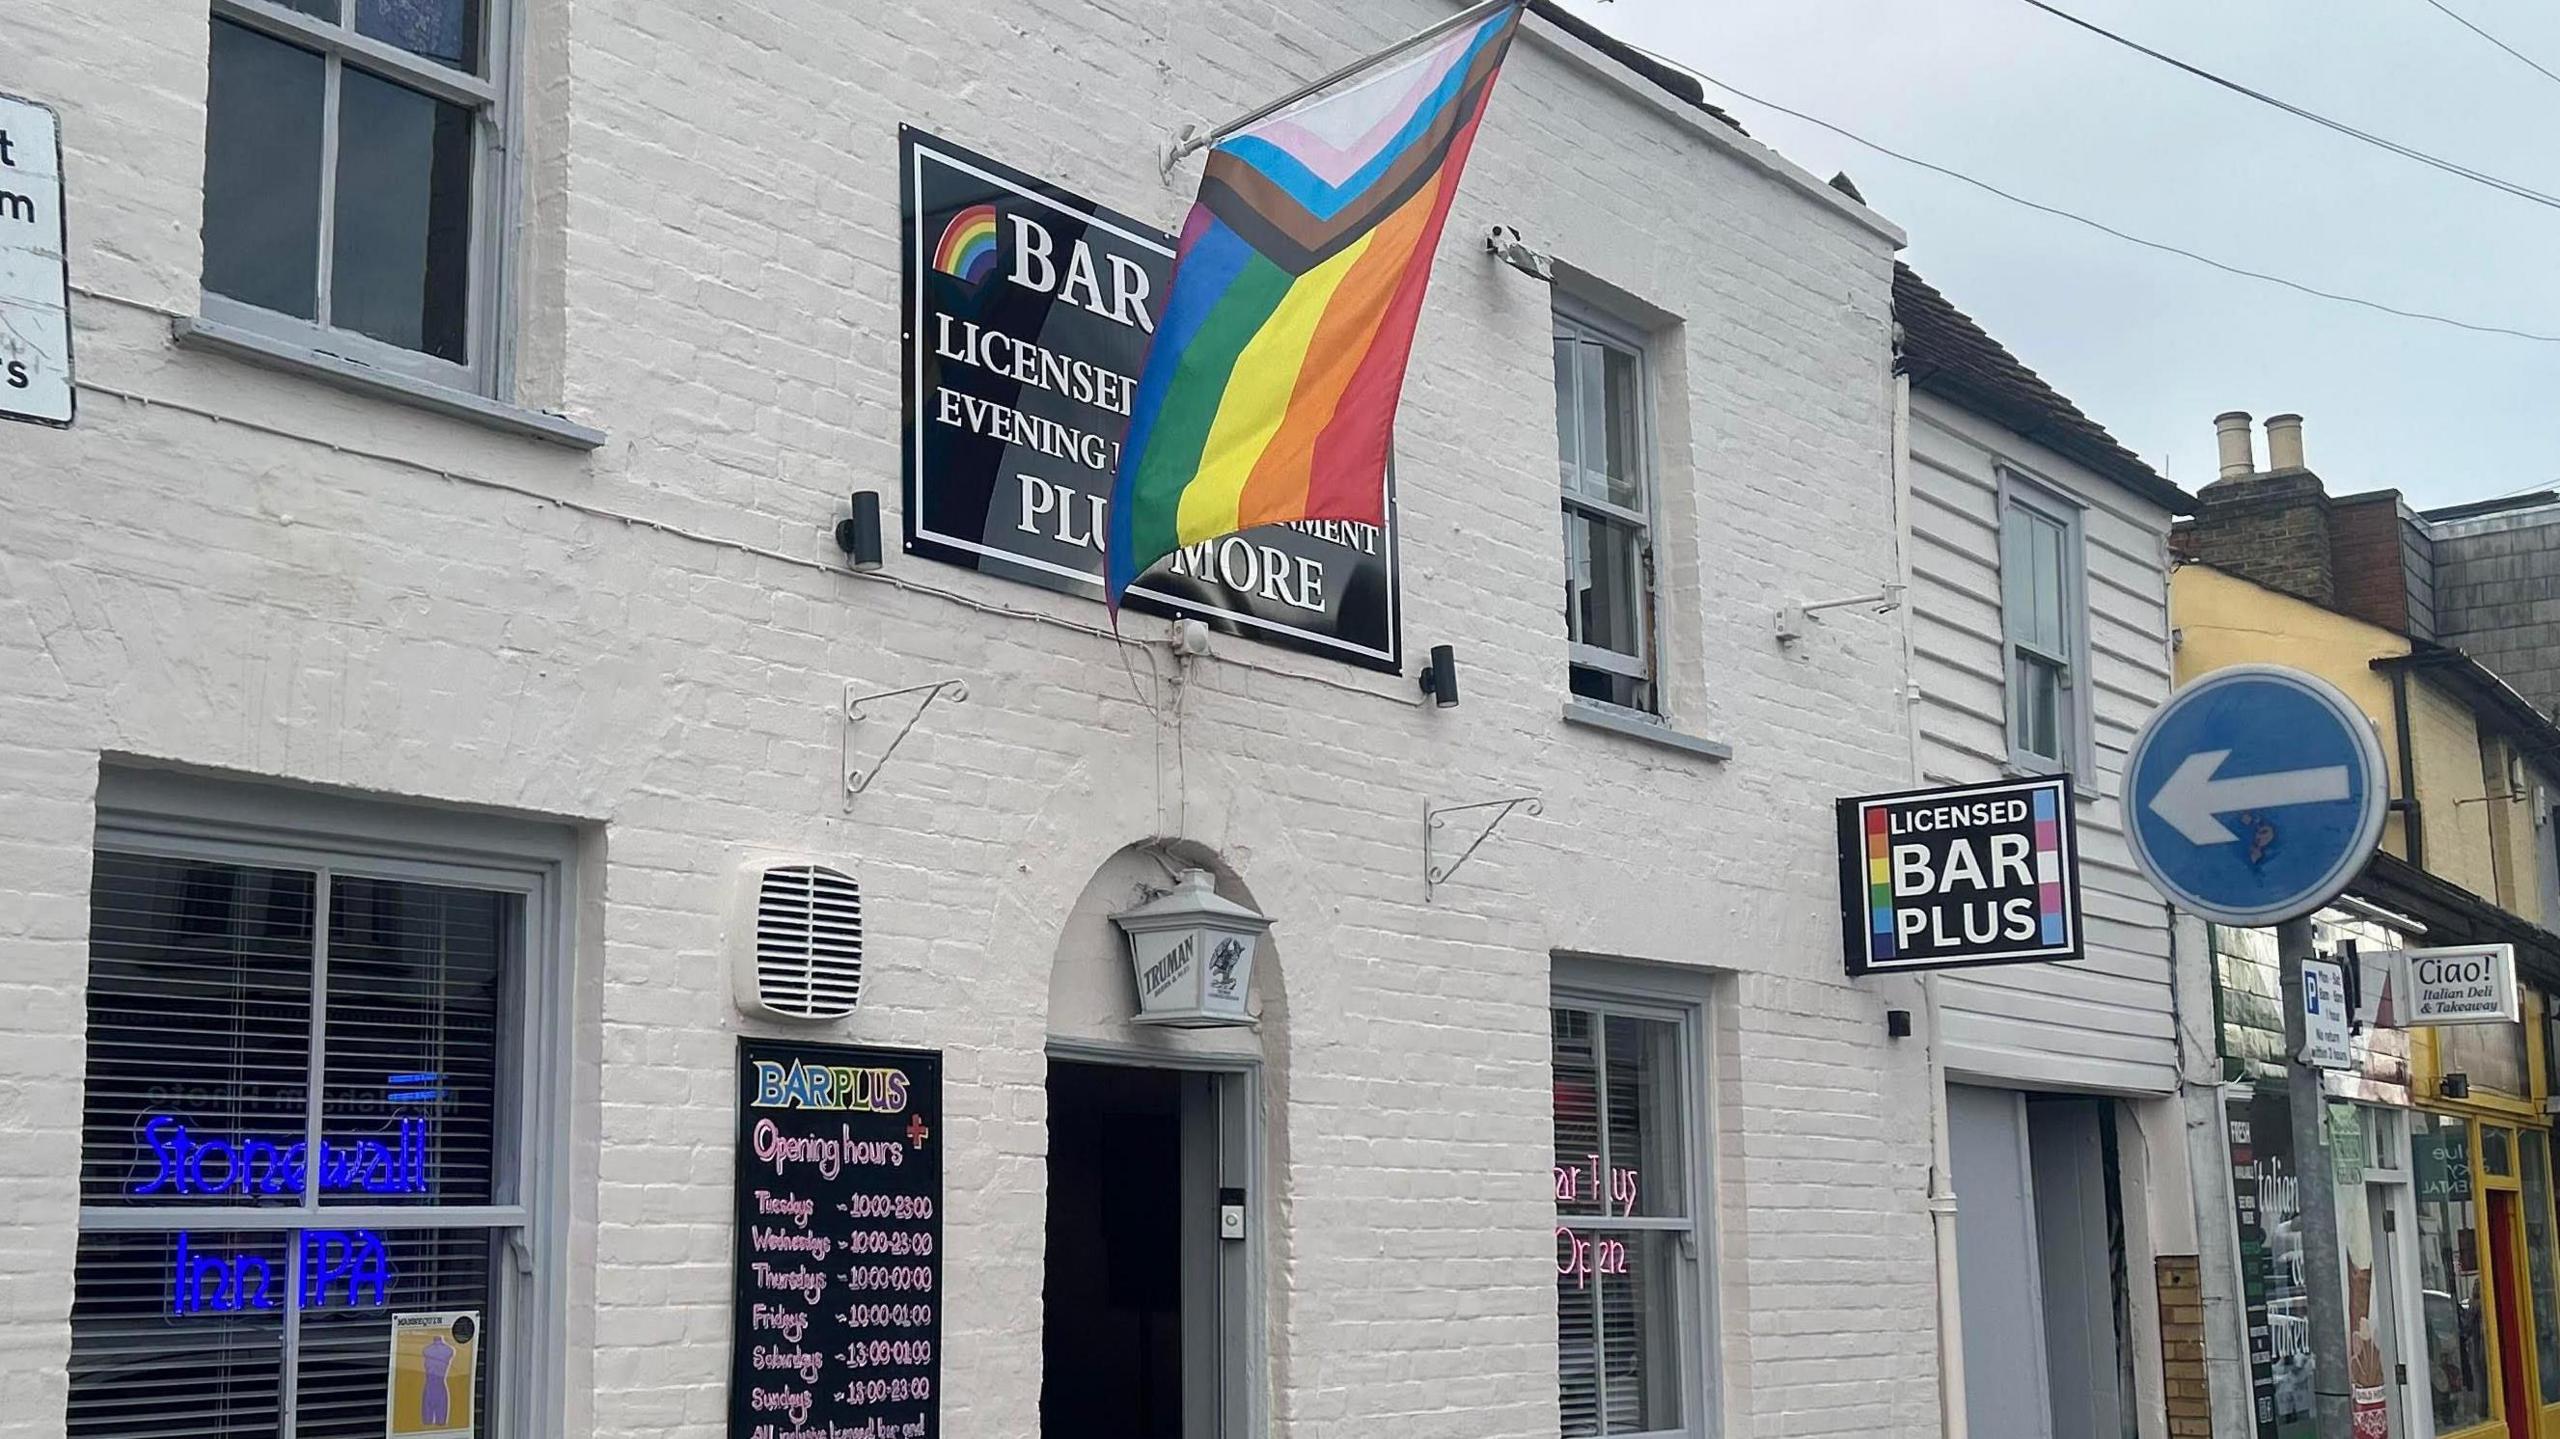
(2255, 795)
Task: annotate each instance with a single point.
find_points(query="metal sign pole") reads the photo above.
(2323, 1270)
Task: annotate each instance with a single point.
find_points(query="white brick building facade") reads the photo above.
(246, 572)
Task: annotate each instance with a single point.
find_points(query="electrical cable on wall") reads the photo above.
(2104, 228)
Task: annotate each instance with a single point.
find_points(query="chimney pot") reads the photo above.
(2232, 437)
(2284, 442)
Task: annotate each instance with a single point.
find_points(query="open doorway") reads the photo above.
(1145, 1317)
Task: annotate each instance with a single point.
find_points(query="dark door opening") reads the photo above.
(1111, 1322)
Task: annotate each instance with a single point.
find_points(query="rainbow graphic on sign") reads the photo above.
(1879, 885)
(2049, 901)
(968, 248)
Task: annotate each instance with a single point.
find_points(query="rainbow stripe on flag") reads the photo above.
(1270, 390)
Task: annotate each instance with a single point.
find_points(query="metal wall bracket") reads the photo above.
(1434, 820)
(858, 780)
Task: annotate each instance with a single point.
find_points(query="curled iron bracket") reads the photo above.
(1434, 820)
(858, 780)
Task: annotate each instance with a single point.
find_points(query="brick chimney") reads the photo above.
(2271, 526)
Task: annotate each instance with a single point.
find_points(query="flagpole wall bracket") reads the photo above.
(1435, 820)
(1173, 152)
(857, 780)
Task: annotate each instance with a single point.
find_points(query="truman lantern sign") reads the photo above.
(1978, 874)
(2255, 795)
(1028, 311)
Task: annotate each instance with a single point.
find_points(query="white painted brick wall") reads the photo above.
(291, 590)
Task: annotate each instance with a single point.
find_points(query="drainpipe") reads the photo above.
(2412, 826)
(1942, 1189)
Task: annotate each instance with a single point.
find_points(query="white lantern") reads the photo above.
(1193, 954)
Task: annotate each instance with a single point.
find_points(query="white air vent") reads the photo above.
(804, 942)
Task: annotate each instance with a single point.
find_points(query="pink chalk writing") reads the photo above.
(809, 1284)
(792, 1206)
(789, 1323)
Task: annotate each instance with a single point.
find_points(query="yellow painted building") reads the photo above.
(2468, 1218)
(2476, 808)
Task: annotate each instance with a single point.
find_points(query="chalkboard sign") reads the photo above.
(838, 1325)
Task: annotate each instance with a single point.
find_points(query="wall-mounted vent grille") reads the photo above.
(808, 943)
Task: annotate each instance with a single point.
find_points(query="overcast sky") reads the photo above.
(2152, 346)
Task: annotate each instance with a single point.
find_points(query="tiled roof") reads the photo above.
(1947, 354)
(1679, 84)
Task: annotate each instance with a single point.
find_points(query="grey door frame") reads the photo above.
(1238, 1132)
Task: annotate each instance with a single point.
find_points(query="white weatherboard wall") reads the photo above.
(2105, 1022)
(240, 570)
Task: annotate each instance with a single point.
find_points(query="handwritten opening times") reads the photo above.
(839, 1186)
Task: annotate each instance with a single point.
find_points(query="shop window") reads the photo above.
(352, 151)
(2449, 1253)
(2539, 1260)
(306, 1204)
(1605, 456)
(1629, 1237)
(2044, 625)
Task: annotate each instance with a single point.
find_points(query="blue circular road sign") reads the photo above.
(2255, 795)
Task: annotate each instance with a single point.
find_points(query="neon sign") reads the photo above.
(257, 1164)
(347, 1267)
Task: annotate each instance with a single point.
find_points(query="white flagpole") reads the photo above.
(1193, 139)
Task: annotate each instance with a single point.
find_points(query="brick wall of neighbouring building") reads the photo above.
(2182, 1346)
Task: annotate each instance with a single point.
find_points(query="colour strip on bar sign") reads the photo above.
(1974, 874)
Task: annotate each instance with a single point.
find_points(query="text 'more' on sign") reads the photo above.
(1976, 874)
(35, 276)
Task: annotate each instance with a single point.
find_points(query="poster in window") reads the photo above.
(1028, 310)
(434, 1367)
(2267, 1199)
(836, 1324)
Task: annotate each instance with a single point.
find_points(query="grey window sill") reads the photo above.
(214, 337)
(1637, 727)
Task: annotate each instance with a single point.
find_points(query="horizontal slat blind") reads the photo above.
(413, 1031)
(202, 1031)
(199, 1017)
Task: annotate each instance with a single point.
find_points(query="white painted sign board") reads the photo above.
(2463, 984)
(35, 272)
(2325, 1038)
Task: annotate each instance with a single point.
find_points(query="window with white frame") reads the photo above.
(1605, 456)
(309, 1111)
(353, 151)
(2043, 625)
(1629, 1235)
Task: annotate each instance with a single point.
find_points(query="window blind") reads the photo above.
(219, 991)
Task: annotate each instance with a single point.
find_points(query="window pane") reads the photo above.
(1568, 414)
(2539, 1259)
(262, 173)
(179, 1334)
(199, 1033)
(446, 30)
(1648, 1141)
(1577, 1339)
(400, 264)
(1639, 1287)
(2457, 1354)
(345, 1353)
(2034, 575)
(1625, 453)
(1593, 373)
(1604, 585)
(2046, 632)
(1593, 683)
(2037, 690)
(410, 1098)
(1577, 1103)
